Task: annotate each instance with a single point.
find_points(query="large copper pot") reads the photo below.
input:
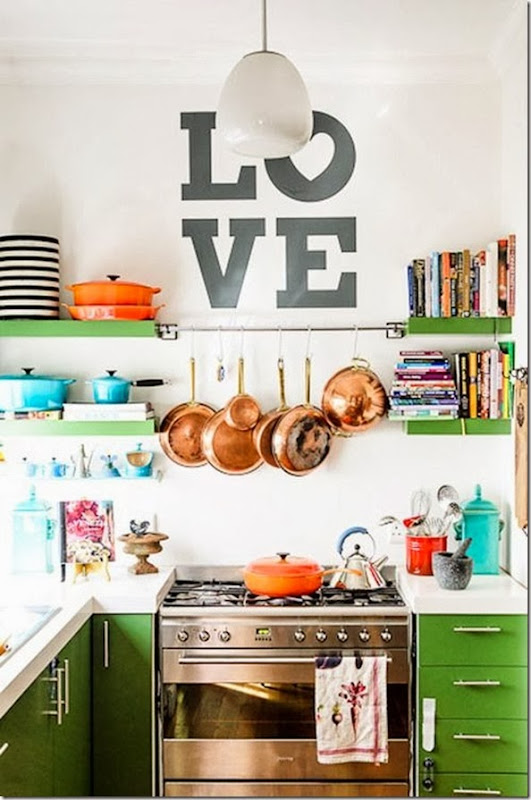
(181, 429)
(283, 575)
(354, 399)
(301, 437)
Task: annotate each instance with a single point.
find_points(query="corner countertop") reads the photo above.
(485, 594)
(123, 594)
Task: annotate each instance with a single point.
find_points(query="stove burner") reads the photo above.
(233, 593)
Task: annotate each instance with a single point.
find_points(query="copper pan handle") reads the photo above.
(192, 380)
(241, 376)
(307, 377)
(281, 383)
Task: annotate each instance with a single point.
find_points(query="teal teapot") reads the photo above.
(481, 522)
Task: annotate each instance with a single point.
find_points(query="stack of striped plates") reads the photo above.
(29, 277)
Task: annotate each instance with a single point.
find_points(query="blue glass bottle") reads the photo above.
(33, 536)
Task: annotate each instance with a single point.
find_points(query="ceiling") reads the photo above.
(204, 36)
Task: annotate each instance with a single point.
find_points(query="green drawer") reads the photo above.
(472, 639)
(503, 748)
(477, 692)
(457, 784)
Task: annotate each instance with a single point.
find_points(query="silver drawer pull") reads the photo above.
(477, 791)
(477, 683)
(3, 748)
(462, 629)
(253, 660)
(489, 737)
(285, 758)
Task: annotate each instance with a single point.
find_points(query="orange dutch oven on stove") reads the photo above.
(284, 575)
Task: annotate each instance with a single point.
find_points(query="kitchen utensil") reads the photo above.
(446, 494)
(301, 438)
(354, 399)
(461, 550)
(242, 411)
(452, 571)
(112, 292)
(81, 462)
(229, 449)
(30, 392)
(481, 522)
(139, 462)
(112, 388)
(419, 550)
(420, 503)
(358, 572)
(100, 312)
(182, 427)
(33, 534)
(263, 430)
(284, 575)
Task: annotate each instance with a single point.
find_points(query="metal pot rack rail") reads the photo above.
(171, 331)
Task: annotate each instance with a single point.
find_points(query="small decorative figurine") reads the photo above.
(142, 543)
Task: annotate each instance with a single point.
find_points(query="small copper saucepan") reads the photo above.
(301, 438)
(242, 411)
(181, 429)
(354, 399)
(263, 431)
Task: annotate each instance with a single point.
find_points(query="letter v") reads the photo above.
(223, 289)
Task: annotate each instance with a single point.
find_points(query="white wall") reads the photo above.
(102, 167)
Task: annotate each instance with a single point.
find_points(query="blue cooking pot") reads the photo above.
(30, 392)
(112, 388)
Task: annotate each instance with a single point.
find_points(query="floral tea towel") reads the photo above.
(351, 709)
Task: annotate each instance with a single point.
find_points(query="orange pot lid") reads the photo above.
(114, 280)
(282, 564)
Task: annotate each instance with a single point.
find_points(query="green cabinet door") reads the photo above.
(123, 705)
(26, 768)
(475, 785)
(478, 692)
(71, 741)
(472, 639)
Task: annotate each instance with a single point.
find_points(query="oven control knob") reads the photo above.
(299, 635)
(386, 635)
(182, 636)
(224, 636)
(204, 636)
(342, 635)
(364, 635)
(320, 635)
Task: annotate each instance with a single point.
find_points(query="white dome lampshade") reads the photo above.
(264, 109)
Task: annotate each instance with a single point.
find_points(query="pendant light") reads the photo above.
(264, 109)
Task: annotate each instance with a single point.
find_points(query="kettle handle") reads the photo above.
(345, 535)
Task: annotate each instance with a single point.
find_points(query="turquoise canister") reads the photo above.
(481, 522)
(33, 535)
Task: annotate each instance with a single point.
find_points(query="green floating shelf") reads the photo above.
(59, 427)
(73, 327)
(458, 427)
(468, 325)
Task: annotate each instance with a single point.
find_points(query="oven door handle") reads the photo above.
(183, 659)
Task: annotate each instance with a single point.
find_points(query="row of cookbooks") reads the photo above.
(462, 284)
(89, 412)
(477, 384)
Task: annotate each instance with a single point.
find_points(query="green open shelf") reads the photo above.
(73, 327)
(467, 325)
(458, 427)
(60, 427)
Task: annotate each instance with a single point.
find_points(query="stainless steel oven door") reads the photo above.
(242, 716)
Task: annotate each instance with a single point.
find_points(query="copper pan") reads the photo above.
(181, 429)
(354, 399)
(263, 431)
(302, 436)
(242, 411)
(229, 449)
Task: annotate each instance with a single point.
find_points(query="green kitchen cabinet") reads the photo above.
(47, 731)
(472, 705)
(71, 741)
(123, 705)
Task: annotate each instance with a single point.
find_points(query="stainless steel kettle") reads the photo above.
(358, 571)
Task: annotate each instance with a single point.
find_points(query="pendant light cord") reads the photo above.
(264, 25)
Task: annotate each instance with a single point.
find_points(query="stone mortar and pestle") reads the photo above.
(453, 570)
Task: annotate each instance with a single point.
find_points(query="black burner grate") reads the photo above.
(229, 593)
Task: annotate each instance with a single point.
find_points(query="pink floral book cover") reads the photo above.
(91, 521)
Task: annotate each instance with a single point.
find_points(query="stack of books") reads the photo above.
(123, 412)
(423, 387)
(45, 414)
(460, 284)
(484, 382)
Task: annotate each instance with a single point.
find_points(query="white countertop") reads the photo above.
(485, 594)
(123, 594)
